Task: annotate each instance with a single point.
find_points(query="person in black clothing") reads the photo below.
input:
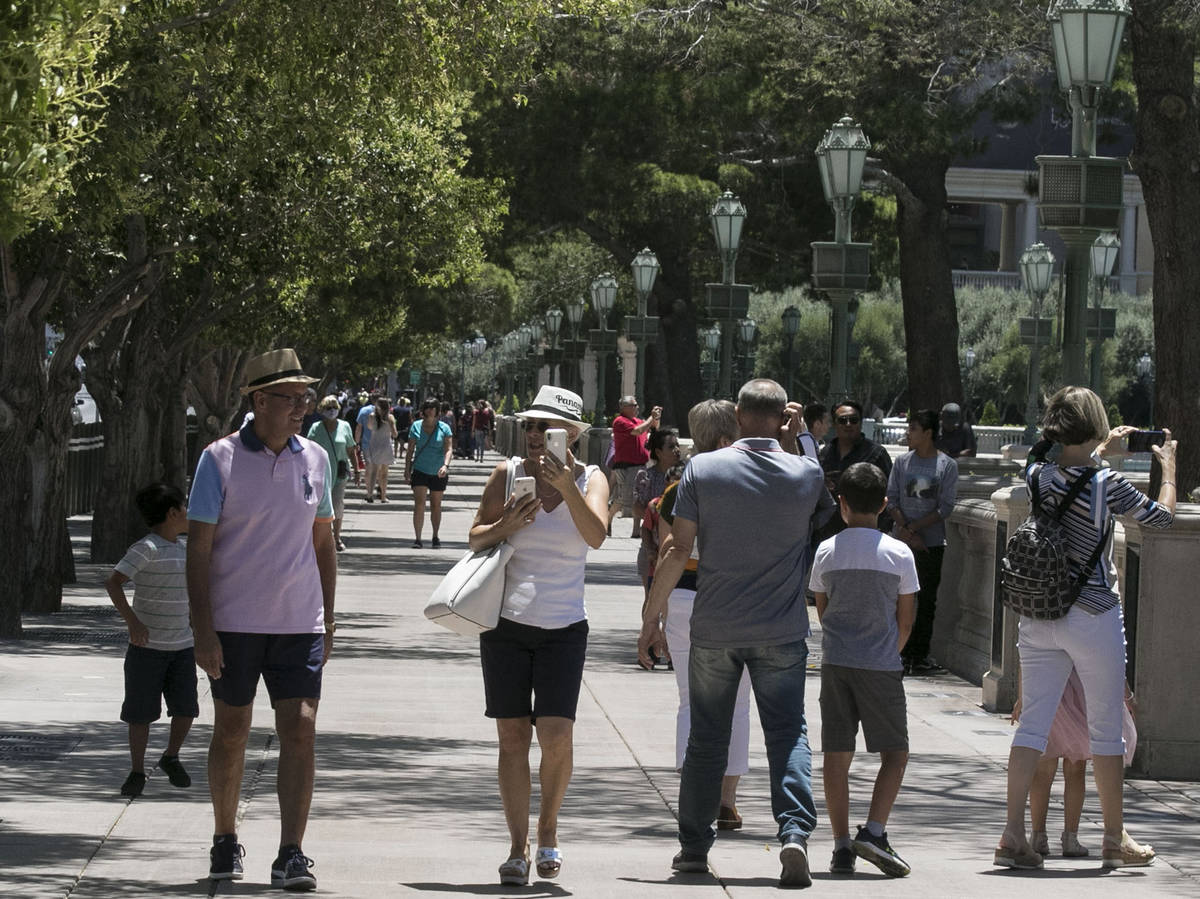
(846, 448)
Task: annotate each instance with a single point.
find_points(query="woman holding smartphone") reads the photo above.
(1090, 638)
(533, 660)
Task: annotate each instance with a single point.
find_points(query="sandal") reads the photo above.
(1126, 854)
(549, 862)
(1019, 859)
(1071, 847)
(1040, 843)
(515, 871)
(729, 819)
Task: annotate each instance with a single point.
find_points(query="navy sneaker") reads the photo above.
(226, 858)
(170, 766)
(690, 862)
(794, 858)
(842, 861)
(134, 784)
(290, 870)
(875, 849)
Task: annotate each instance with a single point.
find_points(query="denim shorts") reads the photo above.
(523, 663)
(289, 664)
(154, 673)
(874, 698)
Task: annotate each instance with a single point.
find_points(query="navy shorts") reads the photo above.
(289, 664)
(151, 674)
(532, 671)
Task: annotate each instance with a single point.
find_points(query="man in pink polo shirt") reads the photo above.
(261, 571)
(629, 454)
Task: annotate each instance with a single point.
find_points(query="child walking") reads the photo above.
(159, 661)
(865, 585)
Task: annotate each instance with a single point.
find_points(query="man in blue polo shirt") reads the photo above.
(261, 572)
(752, 506)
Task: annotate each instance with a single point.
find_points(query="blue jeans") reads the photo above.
(777, 676)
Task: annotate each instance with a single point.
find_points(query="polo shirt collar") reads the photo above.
(251, 442)
(758, 443)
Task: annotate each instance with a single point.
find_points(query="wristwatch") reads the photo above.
(330, 627)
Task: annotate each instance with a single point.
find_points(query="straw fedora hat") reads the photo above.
(275, 367)
(556, 404)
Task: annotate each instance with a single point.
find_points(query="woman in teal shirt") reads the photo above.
(427, 468)
(336, 438)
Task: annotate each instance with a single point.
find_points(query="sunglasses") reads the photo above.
(848, 419)
(542, 426)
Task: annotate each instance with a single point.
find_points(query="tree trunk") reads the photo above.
(214, 379)
(174, 451)
(926, 287)
(1165, 45)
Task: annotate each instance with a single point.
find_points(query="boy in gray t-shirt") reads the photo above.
(865, 584)
(159, 661)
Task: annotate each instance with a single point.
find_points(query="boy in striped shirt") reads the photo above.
(159, 661)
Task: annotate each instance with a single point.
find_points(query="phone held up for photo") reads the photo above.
(1141, 441)
(522, 488)
(556, 444)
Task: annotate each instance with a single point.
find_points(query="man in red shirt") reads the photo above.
(629, 454)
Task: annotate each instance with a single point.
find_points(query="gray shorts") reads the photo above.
(622, 489)
(874, 698)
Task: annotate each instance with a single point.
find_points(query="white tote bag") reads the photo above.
(468, 599)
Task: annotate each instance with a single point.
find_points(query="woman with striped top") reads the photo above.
(1091, 637)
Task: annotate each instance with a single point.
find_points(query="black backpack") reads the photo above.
(1035, 575)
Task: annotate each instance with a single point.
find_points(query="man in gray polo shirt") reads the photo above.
(752, 506)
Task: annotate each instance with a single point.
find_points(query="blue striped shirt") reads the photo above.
(1107, 494)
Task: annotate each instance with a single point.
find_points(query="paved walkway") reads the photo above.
(406, 800)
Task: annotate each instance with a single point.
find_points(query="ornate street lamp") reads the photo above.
(747, 329)
(575, 347)
(791, 325)
(1037, 269)
(969, 365)
(642, 329)
(728, 302)
(1145, 370)
(1081, 195)
(711, 338)
(602, 340)
(554, 319)
(841, 268)
(1087, 40)
(841, 155)
(1103, 325)
(727, 216)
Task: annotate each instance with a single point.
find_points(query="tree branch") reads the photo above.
(195, 19)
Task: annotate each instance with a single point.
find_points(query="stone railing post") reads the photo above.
(1000, 682)
(1162, 618)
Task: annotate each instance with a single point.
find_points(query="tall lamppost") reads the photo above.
(1145, 370)
(791, 325)
(1081, 195)
(747, 328)
(536, 329)
(969, 365)
(574, 348)
(602, 341)
(841, 268)
(524, 341)
(1037, 268)
(728, 302)
(642, 329)
(712, 342)
(1102, 323)
(554, 354)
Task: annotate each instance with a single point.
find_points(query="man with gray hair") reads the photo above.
(752, 506)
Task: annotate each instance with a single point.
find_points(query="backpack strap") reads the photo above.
(1073, 491)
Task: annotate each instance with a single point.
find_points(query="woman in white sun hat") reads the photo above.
(533, 661)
